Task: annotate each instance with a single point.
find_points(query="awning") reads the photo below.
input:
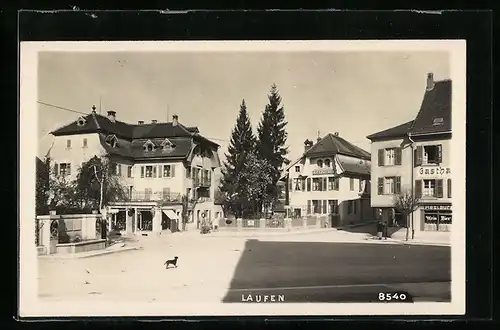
(171, 214)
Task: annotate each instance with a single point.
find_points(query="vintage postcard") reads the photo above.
(242, 178)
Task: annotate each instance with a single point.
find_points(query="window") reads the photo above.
(351, 184)
(147, 193)
(68, 144)
(111, 141)
(317, 184)
(327, 163)
(333, 206)
(448, 186)
(316, 206)
(167, 145)
(166, 193)
(389, 156)
(64, 169)
(361, 185)
(297, 168)
(331, 183)
(298, 184)
(166, 171)
(115, 169)
(129, 171)
(149, 146)
(337, 184)
(389, 185)
(149, 171)
(84, 143)
(431, 155)
(319, 163)
(188, 172)
(81, 121)
(429, 187)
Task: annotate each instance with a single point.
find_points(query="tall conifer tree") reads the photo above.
(272, 135)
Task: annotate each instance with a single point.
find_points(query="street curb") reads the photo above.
(76, 256)
(425, 243)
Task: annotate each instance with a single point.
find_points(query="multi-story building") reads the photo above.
(157, 163)
(331, 178)
(415, 158)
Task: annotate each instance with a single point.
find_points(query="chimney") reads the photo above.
(154, 121)
(112, 116)
(336, 133)
(430, 81)
(93, 108)
(175, 120)
(140, 122)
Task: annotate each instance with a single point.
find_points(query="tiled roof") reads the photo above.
(334, 144)
(131, 138)
(435, 113)
(394, 132)
(359, 168)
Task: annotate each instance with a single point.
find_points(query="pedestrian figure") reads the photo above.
(386, 229)
(380, 228)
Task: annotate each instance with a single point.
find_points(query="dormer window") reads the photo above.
(167, 144)
(112, 141)
(327, 163)
(437, 121)
(81, 121)
(320, 163)
(149, 146)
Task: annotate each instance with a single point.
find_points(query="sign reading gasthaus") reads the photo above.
(434, 171)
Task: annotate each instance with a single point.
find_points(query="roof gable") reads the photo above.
(334, 144)
(393, 132)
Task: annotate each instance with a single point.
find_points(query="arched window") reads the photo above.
(327, 163)
(320, 163)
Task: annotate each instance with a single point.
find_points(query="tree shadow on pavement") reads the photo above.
(333, 272)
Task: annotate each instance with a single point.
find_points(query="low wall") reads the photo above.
(84, 246)
(274, 224)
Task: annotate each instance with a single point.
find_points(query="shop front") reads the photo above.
(436, 217)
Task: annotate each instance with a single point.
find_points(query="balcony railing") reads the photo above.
(155, 196)
(201, 183)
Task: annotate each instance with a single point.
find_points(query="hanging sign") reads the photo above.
(323, 171)
(437, 207)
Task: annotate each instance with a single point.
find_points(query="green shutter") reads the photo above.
(381, 153)
(380, 189)
(303, 184)
(418, 188)
(439, 188)
(398, 156)
(397, 185)
(418, 155)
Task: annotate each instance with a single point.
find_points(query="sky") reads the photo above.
(352, 93)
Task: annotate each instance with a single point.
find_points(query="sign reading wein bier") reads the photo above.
(323, 171)
(434, 171)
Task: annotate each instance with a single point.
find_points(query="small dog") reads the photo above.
(172, 262)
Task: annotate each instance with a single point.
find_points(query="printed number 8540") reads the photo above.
(398, 296)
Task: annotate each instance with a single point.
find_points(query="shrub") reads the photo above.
(205, 229)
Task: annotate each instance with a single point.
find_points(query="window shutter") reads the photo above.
(160, 171)
(154, 171)
(380, 186)
(397, 185)
(439, 154)
(398, 155)
(325, 184)
(448, 186)
(439, 188)
(308, 184)
(172, 171)
(337, 184)
(419, 152)
(308, 207)
(418, 188)
(381, 157)
(120, 169)
(324, 206)
(68, 169)
(209, 176)
(303, 184)
(142, 171)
